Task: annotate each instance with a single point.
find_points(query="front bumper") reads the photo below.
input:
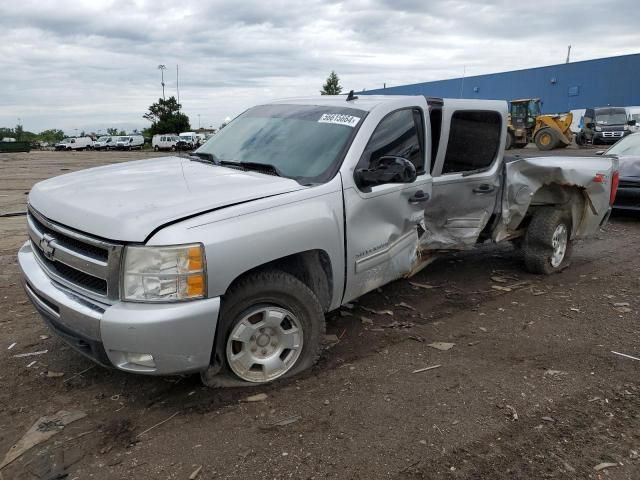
(179, 336)
(628, 195)
(610, 137)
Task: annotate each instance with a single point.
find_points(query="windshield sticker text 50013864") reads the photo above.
(339, 119)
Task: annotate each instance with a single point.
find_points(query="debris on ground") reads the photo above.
(117, 432)
(31, 364)
(366, 321)
(405, 305)
(195, 473)
(498, 279)
(44, 337)
(44, 428)
(426, 369)
(625, 355)
(345, 313)
(12, 345)
(260, 397)
(443, 346)
(157, 425)
(604, 465)
(501, 288)
(79, 373)
(282, 423)
(548, 419)
(397, 324)
(554, 373)
(378, 312)
(623, 309)
(329, 341)
(621, 304)
(30, 354)
(512, 411)
(424, 286)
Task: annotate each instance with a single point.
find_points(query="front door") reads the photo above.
(384, 222)
(466, 178)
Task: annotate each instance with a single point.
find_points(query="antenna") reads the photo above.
(351, 96)
(569, 54)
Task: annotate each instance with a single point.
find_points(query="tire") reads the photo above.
(510, 141)
(547, 244)
(259, 315)
(155, 149)
(546, 139)
(580, 140)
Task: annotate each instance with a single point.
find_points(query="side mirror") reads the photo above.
(589, 125)
(601, 152)
(387, 169)
(631, 123)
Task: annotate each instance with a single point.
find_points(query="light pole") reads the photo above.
(198, 121)
(162, 68)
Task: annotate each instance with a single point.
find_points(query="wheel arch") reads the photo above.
(311, 267)
(571, 198)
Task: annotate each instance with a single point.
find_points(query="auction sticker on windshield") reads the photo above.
(339, 119)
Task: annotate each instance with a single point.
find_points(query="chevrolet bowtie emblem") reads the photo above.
(48, 249)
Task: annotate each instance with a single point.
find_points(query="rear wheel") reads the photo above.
(547, 245)
(546, 139)
(272, 325)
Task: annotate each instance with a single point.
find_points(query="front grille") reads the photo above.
(612, 134)
(85, 264)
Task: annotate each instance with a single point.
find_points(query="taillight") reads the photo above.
(615, 181)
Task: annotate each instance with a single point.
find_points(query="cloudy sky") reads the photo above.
(92, 65)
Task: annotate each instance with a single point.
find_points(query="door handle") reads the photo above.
(484, 188)
(419, 197)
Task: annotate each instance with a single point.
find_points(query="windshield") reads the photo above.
(611, 116)
(303, 142)
(66, 140)
(627, 146)
(102, 139)
(185, 137)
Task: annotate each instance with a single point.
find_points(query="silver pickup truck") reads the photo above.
(224, 262)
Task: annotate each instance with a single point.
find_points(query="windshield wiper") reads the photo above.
(209, 157)
(266, 168)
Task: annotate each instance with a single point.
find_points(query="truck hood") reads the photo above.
(128, 201)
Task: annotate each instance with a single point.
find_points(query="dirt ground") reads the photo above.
(530, 390)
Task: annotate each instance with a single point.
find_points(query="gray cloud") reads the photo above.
(91, 65)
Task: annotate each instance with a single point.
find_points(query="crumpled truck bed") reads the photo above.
(581, 184)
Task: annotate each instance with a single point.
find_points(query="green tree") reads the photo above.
(51, 136)
(165, 117)
(19, 132)
(332, 85)
(122, 133)
(112, 131)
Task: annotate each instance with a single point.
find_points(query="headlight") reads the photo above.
(598, 129)
(164, 274)
(626, 127)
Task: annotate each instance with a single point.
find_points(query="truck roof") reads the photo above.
(369, 102)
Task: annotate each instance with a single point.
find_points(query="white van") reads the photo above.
(130, 142)
(165, 142)
(79, 143)
(106, 142)
(634, 114)
(191, 139)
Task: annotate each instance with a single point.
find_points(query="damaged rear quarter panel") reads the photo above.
(555, 181)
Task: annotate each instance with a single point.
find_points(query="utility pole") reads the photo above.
(177, 84)
(569, 54)
(464, 74)
(198, 121)
(162, 68)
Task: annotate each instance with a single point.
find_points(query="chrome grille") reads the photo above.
(85, 264)
(612, 134)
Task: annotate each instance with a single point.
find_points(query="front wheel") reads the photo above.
(155, 149)
(272, 325)
(510, 141)
(547, 245)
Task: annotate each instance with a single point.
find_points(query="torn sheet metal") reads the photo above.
(539, 181)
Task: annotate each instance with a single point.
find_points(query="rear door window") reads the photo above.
(474, 141)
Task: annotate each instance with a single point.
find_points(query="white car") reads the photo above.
(130, 142)
(165, 142)
(79, 143)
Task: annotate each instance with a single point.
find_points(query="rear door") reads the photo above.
(467, 174)
(384, 221)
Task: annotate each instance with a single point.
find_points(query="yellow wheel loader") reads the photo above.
(526, 124)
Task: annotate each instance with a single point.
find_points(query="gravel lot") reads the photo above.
(530, 390)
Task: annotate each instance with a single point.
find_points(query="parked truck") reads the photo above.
(225, 262)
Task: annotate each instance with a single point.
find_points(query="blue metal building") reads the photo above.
(611, 81)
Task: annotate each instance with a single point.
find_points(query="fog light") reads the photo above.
(142, 359)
